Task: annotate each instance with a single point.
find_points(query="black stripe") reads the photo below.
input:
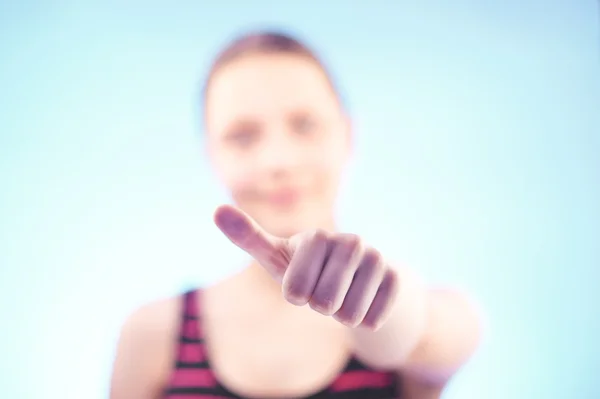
(185, 340)
(199, 391)
(361, 393)
(190, 317)
(355, 365)
(192, 365)
(366, 393)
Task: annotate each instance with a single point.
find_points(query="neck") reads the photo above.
(259, 278)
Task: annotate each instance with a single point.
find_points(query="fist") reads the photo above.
(336, 274)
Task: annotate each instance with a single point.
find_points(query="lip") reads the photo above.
(283, 197)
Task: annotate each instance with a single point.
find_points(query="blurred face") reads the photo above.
(278, 140)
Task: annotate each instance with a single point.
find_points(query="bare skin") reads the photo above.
(279, 142)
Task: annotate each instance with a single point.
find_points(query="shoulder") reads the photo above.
(145, 350)
(153, 320)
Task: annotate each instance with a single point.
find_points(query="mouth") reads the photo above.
(283, 197)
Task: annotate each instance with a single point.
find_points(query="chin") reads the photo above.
(284, 231)
(283, 225)
(289, 223)
(292, 226)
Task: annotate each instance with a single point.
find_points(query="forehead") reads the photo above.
(265, 86)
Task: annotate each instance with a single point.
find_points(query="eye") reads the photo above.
(243, 136)
(303, 124)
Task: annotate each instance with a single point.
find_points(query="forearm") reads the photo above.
(452, 335)
(430, 333)
(392, 345)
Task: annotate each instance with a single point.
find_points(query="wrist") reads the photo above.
(392, 345)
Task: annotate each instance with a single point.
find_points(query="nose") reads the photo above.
(279, 154)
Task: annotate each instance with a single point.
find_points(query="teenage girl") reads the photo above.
(317, 314)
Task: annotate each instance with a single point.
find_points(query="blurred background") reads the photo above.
(477, 162)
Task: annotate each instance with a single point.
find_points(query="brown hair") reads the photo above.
(263, 42)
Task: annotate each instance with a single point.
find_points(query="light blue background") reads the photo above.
(478, 129)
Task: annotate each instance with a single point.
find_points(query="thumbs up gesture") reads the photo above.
(336, 274)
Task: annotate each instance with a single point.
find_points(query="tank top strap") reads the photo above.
(192, 375)
(190, 303)
(191, 318)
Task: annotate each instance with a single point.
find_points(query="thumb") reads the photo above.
(243, 231)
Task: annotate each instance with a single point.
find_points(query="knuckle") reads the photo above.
(351, 240)
(322, 304)
(294, 291)
(391, 284)
(392, 279)
(348, 317)
(317, 236)
(352, 243)
(372, 321)
(320, 235)
(326, 299)
(295, 297)
(348, 247)
(373, 260)
(328, 296)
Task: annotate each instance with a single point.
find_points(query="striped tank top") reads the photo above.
(193, 378)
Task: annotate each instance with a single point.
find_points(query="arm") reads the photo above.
(429, 335)
(143, 358)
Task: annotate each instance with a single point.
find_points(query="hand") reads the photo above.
(334, 273)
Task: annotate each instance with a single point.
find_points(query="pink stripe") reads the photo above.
(351, 380)
(199, 331)
(190, 329)
(194, 396)
(191, 353)
(187, 378)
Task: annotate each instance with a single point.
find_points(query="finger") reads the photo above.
(383, 302)
(305, 267)
(337, 274)
(244, 232)
(362, 290)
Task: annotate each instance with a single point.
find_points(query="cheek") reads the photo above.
(328, 166)
(236, 179)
